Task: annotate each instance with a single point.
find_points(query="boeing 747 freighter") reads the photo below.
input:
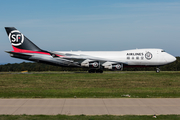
(96, 61)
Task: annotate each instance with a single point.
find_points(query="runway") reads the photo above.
(92, 106)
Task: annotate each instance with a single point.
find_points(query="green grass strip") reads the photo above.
(84, 85)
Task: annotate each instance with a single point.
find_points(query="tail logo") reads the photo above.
(16, 38)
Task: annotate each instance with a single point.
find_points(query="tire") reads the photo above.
(157, 70)
(91, 71)
(99, 71)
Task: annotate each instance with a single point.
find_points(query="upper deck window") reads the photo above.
(162, 50)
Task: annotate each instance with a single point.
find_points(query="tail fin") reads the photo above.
(19, 41)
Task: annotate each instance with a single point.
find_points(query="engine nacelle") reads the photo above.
(118, 66)
(91, 64)
(94, 64)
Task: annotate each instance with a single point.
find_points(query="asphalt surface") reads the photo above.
(86, 106)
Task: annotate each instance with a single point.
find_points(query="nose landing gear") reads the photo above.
(158, 70)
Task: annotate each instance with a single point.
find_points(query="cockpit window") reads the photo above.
(163, 51)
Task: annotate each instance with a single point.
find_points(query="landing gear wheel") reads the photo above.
(157, 70)
(91, 71)
(94, 70)
(99, 71)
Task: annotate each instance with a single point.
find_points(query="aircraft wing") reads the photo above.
(90, 61)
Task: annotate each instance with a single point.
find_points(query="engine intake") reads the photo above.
(91, 64)
(94, 64)
(118, 66)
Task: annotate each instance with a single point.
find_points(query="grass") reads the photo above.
(84, 117)
(85, 85)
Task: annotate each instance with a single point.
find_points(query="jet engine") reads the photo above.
(91, 64)
(118, 66)
(94, 64)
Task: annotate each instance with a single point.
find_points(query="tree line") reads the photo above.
(29, 66)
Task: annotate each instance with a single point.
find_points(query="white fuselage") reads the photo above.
(142, 57)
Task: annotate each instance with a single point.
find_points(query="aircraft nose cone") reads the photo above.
(171, 58)
(174, 59)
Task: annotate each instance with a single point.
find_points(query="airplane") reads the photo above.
(96, 61)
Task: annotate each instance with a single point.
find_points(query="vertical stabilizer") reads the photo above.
(19, 41)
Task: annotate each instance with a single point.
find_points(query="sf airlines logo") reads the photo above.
(16, 38)
(148, 55)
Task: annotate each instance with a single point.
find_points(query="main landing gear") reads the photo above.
(95, 71)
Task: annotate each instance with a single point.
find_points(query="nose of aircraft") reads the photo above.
(170, 58)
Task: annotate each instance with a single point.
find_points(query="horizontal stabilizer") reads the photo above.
(14, 53)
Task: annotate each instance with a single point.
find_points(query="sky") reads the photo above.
(92, 25)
